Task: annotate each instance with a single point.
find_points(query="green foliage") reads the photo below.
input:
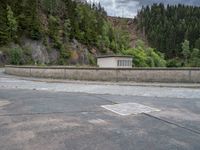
(4, 35)
(16, 56)
(121, 39)
(156, 58)
(91, 59)
(85, 22)
(90, 27)
(197, 43)
(186, 50)
(50, 5)
(35, 32)
(12, 23)
(8, 24)
(53, 32)
(62, 21)
(29, 19)
(145, 56)
(140, 44)
(195, 58)
(65, 54)
(139, 57)
(53, 26)
(175, 62)
(67, 29)
(191, 57)
(166, 27)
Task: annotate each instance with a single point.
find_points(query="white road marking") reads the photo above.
(126, 109)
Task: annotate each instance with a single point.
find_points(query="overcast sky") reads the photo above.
(129, 8)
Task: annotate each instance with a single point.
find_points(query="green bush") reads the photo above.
(195, 58)
(175, 62)
(16, 56)
(65, 53)
(145, 56)
(157, 58)
(91, 59)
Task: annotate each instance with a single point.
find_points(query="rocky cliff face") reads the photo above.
(40, 54)
(2, 58)
(79, 53)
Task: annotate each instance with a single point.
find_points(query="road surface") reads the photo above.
(37, 115)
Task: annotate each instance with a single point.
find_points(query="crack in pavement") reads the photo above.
(105, 99)
(173, 123)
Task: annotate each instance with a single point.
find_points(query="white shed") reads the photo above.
(114, 61)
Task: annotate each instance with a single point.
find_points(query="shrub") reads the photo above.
(175, 62)
(91, 59)
(145, 56)
(16, 56)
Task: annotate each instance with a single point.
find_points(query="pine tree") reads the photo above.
(197, 43)
(195, 58)
(166, 27)
(4, 34)
(186, 50)
(11, 23)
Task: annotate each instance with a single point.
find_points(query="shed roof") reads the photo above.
(110, 56)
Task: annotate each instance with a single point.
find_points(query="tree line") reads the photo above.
(168, 28)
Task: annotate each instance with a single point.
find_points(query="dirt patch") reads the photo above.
(21, 136)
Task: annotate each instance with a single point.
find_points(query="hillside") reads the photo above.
(129, 25)
(56, 32)
(66, 32)
(174, 31)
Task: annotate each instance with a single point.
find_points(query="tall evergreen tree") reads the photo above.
(11, 23)
(186, 50)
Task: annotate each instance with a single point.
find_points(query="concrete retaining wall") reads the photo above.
(184, 75)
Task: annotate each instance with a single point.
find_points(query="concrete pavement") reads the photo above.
(57, 116)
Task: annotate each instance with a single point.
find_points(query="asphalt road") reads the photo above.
(56, 116)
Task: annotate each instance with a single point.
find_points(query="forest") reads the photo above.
(174, 31)
(57, 24)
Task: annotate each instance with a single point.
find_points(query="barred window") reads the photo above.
(124, 62)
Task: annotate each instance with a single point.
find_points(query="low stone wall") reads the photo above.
(184, 75)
